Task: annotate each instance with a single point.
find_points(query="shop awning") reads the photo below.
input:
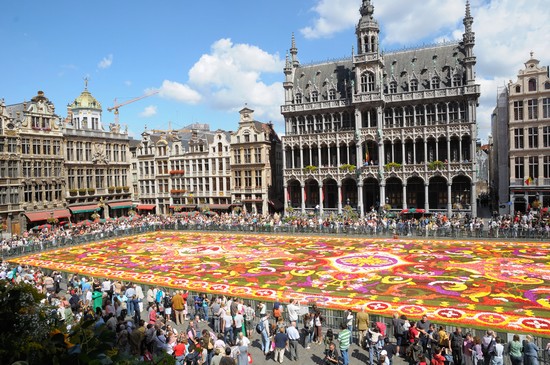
(252, 200)
(218, 206)
(84, 208)
(42, 216)
(146, 206)
(184, 206)
(121, 205)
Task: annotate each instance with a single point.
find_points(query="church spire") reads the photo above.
(367, 30)
(468, 42)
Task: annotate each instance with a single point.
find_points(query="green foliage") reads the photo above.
(26, 324)
(310, 169)
(350, 213)
(30, 333)
(392, 165)
(435, 165)
(347, 167)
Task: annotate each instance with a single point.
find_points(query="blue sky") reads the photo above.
(208, 58)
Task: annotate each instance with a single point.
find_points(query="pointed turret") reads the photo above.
(468, 42)
(294, 52)
(367, 29)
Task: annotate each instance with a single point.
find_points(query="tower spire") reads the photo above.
(294, 52)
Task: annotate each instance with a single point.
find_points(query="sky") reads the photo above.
(208, 59)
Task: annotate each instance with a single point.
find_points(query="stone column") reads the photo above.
(340, 197)
(473, 200)
(285, 193)
(360, 199)
(303, 186)
(382, 194)
(426, 200)
(284, 158)
(404, 196)
(321, 200)
(449, 200)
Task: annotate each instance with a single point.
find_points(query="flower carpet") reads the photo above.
(500, 285)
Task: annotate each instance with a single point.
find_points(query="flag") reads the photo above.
(367, 157)
(288, 194)
(305, 194)
(323, 194)
(528, 181)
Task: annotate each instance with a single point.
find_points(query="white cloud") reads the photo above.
(106, 62)
(149, 111)
(175, 91)
(128, 83)
(230, 76)
(333, 16)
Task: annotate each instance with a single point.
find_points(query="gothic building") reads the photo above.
(396, 128)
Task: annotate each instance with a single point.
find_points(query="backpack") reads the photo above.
(260, 327)
(486, 349)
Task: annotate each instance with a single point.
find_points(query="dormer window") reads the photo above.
(533, 84)
(314, 96)
(393, 87)
(247, 137)
(414, 85)
(367, 82)
(518, 89)
(332, 94)
(435, 82)
(298, 98)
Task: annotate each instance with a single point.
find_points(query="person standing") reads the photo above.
(293, 339)
(362, 326)
(515, 350)
(530, 351)
(423, 326)
(266, 333)
(281, 344)
(456, 344)
(349, 320)
(293, 311)
(177, 305)
(498, 358)
(344, 339)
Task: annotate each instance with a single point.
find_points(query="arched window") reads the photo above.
(518, 89)
(298, 98)
(533, 84)
(435, 82)
(457, 81)
(367, 82)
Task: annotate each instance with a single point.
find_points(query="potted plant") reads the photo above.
(436, 165)
(91, 191)
(348, 167)
(82, 191)
(111, 189)
(126, 188)
(392, 165)
(73, 192)
(52, 220)
(310, 169)
(119, 189)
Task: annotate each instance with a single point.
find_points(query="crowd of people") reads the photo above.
(203, 329)
(528, 225)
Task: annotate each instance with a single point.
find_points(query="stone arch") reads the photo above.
(416, 197)
(294, 191)
(437, 193)
(371, 194)
(330, 193)
(349, 192)
(394, 192)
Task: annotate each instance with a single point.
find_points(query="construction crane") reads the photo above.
(116, 106)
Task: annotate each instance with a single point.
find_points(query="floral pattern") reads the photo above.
(498, 284)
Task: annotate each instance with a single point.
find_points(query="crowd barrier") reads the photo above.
(361, 231)
(333, 318)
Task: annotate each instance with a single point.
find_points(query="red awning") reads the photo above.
(219, 206)
(42, 216)
(84, 208)
(146, 206)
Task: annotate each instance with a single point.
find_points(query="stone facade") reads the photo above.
(529, 138)
(393, 129)
(256, 165)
